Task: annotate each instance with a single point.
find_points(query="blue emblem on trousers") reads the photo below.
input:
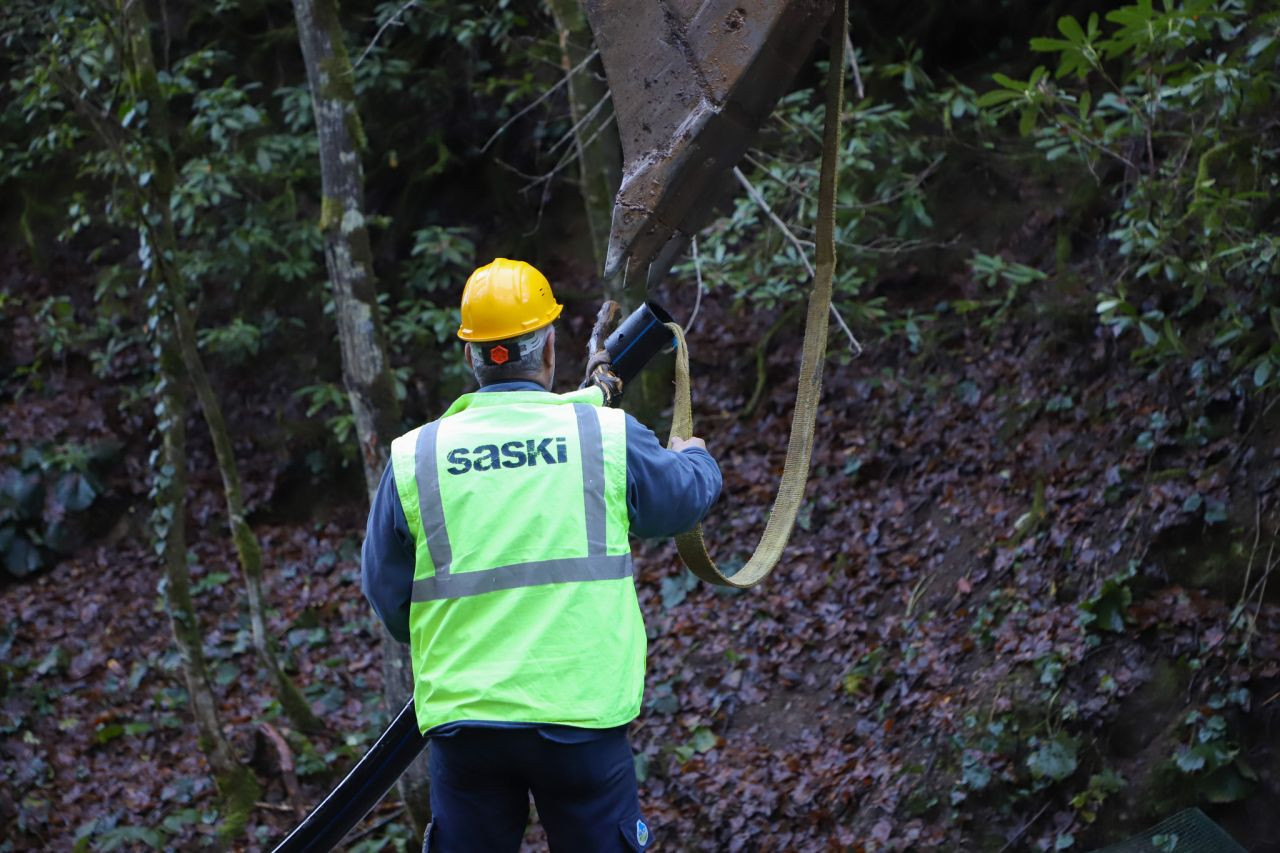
(642, 833)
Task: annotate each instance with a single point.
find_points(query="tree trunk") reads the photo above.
(237, 785)
(599, 149)
(349, 259)
(365, 370)
(246, 543)
(248, 549)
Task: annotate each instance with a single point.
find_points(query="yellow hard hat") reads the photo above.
(506, 299)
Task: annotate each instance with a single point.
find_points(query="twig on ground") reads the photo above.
(394, 19)
(804, 258)
(1021, 832)
(547, 94)
(375, 826)
(287, 774)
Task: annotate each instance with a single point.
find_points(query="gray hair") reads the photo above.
(526, 358)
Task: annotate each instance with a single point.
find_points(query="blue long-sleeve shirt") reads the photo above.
(668, 492)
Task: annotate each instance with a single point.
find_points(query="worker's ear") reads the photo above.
(549, 349)
(466, 354)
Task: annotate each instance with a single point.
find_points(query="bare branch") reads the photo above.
(853, 66)
(572, 133)
(697, 302)
(915, 182)
(394, 19)
(854, 345)
(547, 94)
(570, 156)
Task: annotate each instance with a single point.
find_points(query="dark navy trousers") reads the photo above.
(583, 785)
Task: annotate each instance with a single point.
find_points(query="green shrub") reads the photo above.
(894, 139)
(44, 489)
(1174, 110)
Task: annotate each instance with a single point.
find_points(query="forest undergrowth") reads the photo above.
(1028, 603)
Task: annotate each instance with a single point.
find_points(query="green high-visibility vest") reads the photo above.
(524, 607)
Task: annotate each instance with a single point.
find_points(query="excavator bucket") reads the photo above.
(691, 80)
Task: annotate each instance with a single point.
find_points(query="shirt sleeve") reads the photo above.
(668, 492)
(387, 559)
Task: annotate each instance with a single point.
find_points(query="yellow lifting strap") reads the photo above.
(795, 472)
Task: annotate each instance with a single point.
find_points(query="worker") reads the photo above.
(497, 547)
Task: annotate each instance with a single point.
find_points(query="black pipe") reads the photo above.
(639, 338)
(357, 794)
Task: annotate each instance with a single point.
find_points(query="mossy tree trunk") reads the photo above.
(248, 549)
(348, 256)
(597, 144)
(163, 235)
(365, 370)
(235, 782)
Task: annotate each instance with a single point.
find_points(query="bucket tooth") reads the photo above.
(692, 81)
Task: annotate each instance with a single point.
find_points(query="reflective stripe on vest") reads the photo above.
(523, 606)
(596, 565)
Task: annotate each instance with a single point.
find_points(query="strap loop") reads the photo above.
(795, 472)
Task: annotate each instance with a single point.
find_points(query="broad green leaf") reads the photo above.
(1226, 785)
(1086, 101)
(108, 732)
(22, 557)
(996, 97)
(74, 491)
(22, 492)
(1262, 372)
(1110, 605)
(1009, 82)
(1190, 760)
(1070, 28)
(703, 740)
(1055, 759)
(226, 673)
(1047, 45)
(1027, 122)
(61, 537)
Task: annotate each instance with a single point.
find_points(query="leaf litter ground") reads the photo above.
(1004, 549)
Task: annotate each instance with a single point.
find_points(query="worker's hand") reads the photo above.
(679, 444)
